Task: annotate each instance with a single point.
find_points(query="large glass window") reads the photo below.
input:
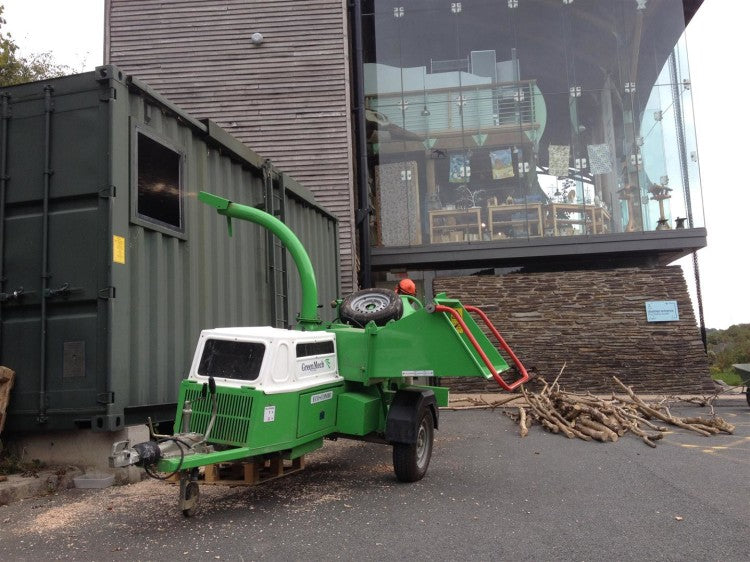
(490, 120)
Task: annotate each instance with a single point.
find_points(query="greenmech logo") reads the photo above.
(314, 366)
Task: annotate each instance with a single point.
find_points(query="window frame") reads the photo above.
(144, 220)
(257, 378)
(312, 344)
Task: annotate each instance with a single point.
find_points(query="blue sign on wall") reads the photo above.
(661, 311)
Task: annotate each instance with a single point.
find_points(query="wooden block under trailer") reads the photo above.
(250, 473)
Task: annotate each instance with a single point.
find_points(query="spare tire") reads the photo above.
(371, 305)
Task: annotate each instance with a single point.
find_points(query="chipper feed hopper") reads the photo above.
(266, 393)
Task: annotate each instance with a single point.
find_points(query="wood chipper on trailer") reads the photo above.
(268, 394)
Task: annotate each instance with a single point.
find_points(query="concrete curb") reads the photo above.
(45, 482)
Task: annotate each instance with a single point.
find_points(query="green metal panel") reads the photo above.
(441, 393)
(359, 413)
(420, 344)
(122, 337)
(317, 411)
(290, 422)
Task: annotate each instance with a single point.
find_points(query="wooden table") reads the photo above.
(593, 220)
(455, 225)
(501, 217)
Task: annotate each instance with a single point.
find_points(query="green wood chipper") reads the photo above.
(261, 393)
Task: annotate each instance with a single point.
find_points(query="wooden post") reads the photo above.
(276, 466)
(7, 377)
(211, 473)
(252, 472)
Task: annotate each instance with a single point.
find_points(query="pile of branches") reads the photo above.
(588, 417)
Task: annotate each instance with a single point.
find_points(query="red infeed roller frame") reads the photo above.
(524, 375)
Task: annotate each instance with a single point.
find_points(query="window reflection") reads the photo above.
(491, 120)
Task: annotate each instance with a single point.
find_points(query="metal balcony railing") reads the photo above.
(482, 107)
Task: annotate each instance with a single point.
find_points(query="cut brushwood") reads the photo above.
(588, 417)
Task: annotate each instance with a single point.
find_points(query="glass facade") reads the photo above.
(490, 120)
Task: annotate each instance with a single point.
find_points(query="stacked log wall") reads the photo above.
(595, 322)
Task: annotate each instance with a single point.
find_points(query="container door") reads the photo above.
(53, 312)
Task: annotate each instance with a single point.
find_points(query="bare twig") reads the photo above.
(554, 382)
(522, 422)
(587, 416)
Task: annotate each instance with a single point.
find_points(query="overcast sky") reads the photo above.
(72, 30)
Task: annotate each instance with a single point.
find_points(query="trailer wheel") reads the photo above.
(747, 395)
(410, 460)
(190, 500)
(376, 305)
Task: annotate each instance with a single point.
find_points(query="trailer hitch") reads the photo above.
(149, 453)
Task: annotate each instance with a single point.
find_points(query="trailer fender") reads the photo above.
(404, 414)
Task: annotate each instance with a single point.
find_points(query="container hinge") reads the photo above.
(108, 192)
(105, 398)
(107, 293)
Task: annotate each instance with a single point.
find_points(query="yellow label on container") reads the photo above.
(118, 249)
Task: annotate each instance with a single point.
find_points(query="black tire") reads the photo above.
(410, 461)
(747, 395)
(371, 305)
(192, 491)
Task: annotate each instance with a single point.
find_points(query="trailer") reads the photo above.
(260, 393)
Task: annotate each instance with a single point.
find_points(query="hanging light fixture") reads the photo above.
(425, 111)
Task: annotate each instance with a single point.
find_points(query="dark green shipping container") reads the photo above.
(109, 265)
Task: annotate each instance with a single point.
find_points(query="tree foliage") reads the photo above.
(730, 346)
(15, 69)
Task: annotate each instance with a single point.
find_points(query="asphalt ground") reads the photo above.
(488, 495)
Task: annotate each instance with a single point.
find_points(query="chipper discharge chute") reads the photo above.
(263, 395)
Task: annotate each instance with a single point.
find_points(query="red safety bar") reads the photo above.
(509, 387)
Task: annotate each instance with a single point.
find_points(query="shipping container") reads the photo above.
(110, 266)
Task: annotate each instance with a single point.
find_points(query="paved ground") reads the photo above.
(488, 495)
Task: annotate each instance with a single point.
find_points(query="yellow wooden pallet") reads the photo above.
(250, 473)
